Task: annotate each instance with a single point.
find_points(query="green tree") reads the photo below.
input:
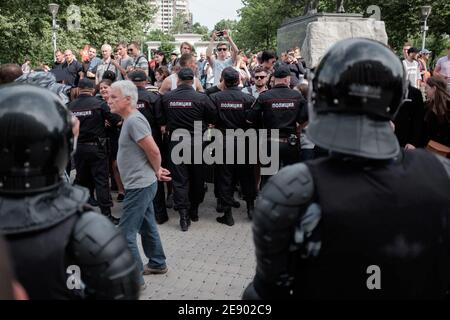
(25, 26)
(225, 24)
(167, 48)
(159, 35)
(180, 24)
(403, 20)
(199, 29)
(260, 19)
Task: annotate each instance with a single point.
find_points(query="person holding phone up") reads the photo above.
(222, 61)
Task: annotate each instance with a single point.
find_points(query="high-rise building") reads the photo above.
(167, 11)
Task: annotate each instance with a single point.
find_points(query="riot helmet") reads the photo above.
(356, 90)
(35, 139)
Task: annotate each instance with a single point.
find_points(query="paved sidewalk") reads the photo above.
(210, 261)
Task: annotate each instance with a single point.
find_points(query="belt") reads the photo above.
(89, 143)
(292, 140)
(282, 140)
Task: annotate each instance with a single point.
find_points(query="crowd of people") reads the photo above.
(130, 112)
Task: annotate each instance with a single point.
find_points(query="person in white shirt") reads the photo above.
(412, 67)
(443, 68)
(222, 61)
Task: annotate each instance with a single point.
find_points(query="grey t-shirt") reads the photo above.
(141, 62)
(218, 66)
(125, 63)
(134, 167)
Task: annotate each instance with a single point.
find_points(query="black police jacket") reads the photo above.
(232, 105)
(56, 241)
(279, 108)
(92, 113)
(409, 119)
(352, 228)
(183, 106)
(149, 104)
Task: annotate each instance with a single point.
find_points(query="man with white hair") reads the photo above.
(106, 64)
(139, 161)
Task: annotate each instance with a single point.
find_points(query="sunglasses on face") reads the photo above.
(222, 49)
(130, 50)
(259, 77)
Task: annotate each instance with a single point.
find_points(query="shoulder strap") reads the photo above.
(137, 61)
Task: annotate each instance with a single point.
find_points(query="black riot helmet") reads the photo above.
(35, 139)
(356, 90)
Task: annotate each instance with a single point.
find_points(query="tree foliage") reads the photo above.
(260, 19)
(180, 24)
(159, 35)
(26, 26)
(167, 48)
(199, 29)
(225, 24)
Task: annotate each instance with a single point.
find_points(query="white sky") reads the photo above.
(209, 12)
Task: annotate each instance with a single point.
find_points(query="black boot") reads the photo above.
(169, 201)
(106, 211)
(162, 219)
(227, 218)
(184, 220)
(193, 213)
(236, 204)
(250, 209)
(219, 207)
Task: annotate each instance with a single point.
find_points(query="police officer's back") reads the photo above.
(232, 106)
(92, 113)
(283, 109)
(182, 108)
(368, 222)
(51, 233)
(91, 158)
(149, 103)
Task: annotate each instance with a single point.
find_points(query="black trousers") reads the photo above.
(91, 163)
(245, 174)
(188, 182)
(287, 155)
(159, 202)
(228, 175)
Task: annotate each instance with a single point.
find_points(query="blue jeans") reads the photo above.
(139, 216)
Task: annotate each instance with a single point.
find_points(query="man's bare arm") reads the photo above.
(166, 86)
(234, 48)
(209, 50)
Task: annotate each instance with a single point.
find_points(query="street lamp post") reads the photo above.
(425, 11)
(53, 8)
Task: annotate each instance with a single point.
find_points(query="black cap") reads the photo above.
(413, 50)
(186, 74)
(137, 76)
(282, 72)
(111, 75)
(230, 74)
(86, 84)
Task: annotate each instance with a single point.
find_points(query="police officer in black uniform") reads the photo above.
(91, 158)
(284, 109)
(369, 221)
(232, 106)
(55, 239)
(182, 107)
(149, 104)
